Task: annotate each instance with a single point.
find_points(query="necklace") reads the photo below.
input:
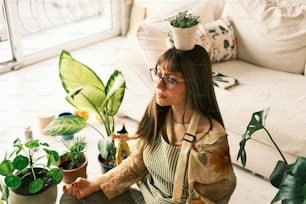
(181, 123)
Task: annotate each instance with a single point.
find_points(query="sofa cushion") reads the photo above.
(270, 33)
(258, 89)
(218, 38)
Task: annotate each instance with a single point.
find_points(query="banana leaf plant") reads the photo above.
(290, 179)
(87, 92)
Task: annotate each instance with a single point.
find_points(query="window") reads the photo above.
(32, 30)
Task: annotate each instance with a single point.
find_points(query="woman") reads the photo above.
(183, 154)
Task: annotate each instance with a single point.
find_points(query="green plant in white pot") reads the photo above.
(290, 179)
(31, 169)
(184, 27)
(87, 92)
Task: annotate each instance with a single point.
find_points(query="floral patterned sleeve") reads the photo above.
(129, 172)
(210, 173)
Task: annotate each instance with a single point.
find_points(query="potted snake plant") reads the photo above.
(87, 92)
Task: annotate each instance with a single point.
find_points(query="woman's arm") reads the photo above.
(129, 172)
(210, 172)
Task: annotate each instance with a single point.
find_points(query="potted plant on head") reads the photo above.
(87, 92)
(184, 27)
(31, 172)
(290, 179)
(74, 161)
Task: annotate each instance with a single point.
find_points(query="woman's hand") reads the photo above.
(81, 188)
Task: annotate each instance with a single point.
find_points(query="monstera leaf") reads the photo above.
(293, 185)
(256, 123)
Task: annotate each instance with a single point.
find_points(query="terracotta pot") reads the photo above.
(69, 175)
(184, 38)
(46, 197)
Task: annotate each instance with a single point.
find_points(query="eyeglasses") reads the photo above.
(157, 76)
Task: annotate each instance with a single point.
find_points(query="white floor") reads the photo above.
(26, 92)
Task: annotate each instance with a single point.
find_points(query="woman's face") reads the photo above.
(170, 87)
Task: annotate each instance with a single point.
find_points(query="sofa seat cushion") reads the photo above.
(258, 89)
(270, 33)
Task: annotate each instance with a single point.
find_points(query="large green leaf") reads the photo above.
(115, 90)
(256, 123)
(293, 186)
(87, 98)
(66, 125)
(74, 74)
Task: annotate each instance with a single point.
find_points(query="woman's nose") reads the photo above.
(161, 84)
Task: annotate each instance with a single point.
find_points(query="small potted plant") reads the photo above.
(31, 172)
(184, 27)
(87, 92)
(290, 179)
(73, 160)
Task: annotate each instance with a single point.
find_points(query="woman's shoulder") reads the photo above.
(209, 126)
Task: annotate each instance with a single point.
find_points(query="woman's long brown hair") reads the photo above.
(196, 69)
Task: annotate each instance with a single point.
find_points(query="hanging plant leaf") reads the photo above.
(36, 185)
(6, 168)
(13, 181)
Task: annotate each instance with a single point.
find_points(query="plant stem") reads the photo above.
(278, 149)
(96, 129)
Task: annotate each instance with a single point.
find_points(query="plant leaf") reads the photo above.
(256, 123)
(6, 168)
(87, 98)
(115, 90)
(105, 146)
(74, 74)
(56, 174)
(31, 144)
(13, 181)
(53, 157)
(20, 162)
(66, 125)
(36, 185)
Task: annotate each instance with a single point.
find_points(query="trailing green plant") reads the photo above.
(184, 20)
(4, 192)
(23, 163)
(87, 92)
(74, 152)
(290, 179)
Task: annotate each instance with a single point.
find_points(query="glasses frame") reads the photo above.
(169, 82)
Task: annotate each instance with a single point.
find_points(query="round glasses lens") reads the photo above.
(154, 75)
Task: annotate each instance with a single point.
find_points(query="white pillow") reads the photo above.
(270, 33)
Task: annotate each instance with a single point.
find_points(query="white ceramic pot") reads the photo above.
(184, 38)
(46, 197)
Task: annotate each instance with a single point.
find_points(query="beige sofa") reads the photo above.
(268, 59)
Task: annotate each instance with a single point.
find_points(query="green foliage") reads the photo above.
(292, 188)
(75, 152)
(87, 92)
(184, 20)
(24, 159)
